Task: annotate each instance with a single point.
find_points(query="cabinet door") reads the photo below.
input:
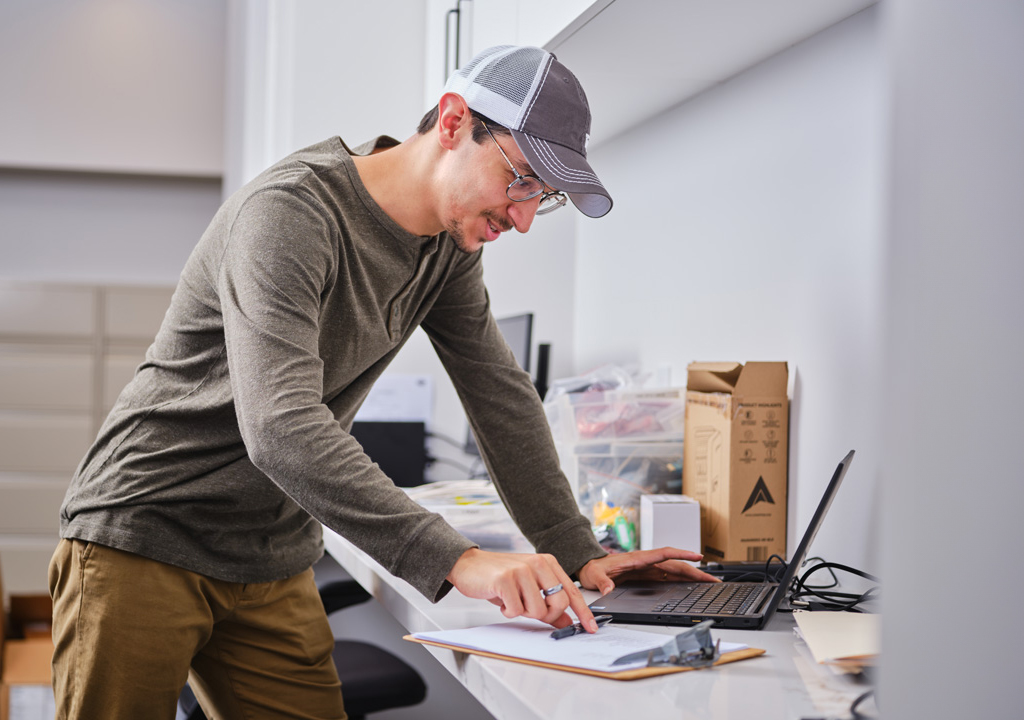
(437, 60)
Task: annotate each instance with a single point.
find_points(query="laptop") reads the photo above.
(744, 605)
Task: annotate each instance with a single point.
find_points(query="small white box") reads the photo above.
(672, 520)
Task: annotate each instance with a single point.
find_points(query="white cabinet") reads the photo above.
(480, 24)
(113, 87)
(541, 21)
(637, 58)
(634, 58)
(522, 22)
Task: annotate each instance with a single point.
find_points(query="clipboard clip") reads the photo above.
(693, 648)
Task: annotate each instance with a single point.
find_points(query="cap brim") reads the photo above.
(565, 170)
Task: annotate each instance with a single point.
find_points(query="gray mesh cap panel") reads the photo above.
(512, 75)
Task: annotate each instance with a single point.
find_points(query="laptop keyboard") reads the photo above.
(713, 599)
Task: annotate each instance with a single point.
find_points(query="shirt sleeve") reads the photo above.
(276, 265)
(507, 418)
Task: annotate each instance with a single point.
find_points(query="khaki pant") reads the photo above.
(128, 631)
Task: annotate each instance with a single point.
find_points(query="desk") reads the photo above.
(783, 684)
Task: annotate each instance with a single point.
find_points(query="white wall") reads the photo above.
(302, 72)
(112, 85)
(110, 137)
(747, 226)
(89, 228)
(955, 297)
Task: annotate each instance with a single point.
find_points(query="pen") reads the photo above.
(577, 628)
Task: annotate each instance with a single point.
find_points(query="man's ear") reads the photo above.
(452, 117)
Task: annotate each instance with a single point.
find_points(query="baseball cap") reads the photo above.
(528, 91)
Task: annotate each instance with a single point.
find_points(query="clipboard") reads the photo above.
(633, 674)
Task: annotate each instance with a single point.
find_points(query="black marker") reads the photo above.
(577, 628)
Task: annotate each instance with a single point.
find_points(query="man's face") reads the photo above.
(476, 209)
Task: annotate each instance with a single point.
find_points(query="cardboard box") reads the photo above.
(25, 692)
(26, 649)
(31, 616)
(669, 520)
(736, 457)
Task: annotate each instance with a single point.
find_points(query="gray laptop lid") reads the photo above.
(797, 560)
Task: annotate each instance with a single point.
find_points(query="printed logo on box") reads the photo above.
(760, 494)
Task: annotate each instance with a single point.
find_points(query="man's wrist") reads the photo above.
(465, 556)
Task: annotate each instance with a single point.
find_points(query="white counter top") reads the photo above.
(783, 684)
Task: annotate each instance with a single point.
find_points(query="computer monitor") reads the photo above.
(518, 333)
(399, 448)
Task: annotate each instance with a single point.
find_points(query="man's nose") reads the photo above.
(522, 213)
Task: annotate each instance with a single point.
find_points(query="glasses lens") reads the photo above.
(525, 188)
(550, 203)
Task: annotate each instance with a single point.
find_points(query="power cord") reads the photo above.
(824, 597)
(749, 572)
(855, 714)
(861, 698)
(829, 599)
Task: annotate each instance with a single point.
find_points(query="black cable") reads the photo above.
(854, 714)
(860, 698)
(779, 573)
(767, 574)
(832, 600)
(835, 580)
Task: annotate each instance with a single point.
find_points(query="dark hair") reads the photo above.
(429, 120)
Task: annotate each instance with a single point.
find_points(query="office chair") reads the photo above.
(372, 679)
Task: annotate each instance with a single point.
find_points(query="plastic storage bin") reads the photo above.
(611, 478)
(620, 415)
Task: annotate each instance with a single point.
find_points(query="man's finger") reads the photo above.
(602, 582)
(579, 606)
(511, 599)
(692, 574)
(658, 555)
(533, 579)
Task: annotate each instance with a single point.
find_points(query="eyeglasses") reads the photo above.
(527, 187)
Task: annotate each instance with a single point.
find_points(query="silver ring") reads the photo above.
(552, 590)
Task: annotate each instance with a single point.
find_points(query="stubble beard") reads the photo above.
(455, 231)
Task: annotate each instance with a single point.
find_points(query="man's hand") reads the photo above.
(515, 582)
(660, 564)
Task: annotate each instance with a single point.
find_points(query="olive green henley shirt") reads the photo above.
(229, 447)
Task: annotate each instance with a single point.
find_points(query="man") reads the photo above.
(192, 523)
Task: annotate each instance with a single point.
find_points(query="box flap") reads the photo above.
(763, 379)
(27, 662)
(713, 376)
